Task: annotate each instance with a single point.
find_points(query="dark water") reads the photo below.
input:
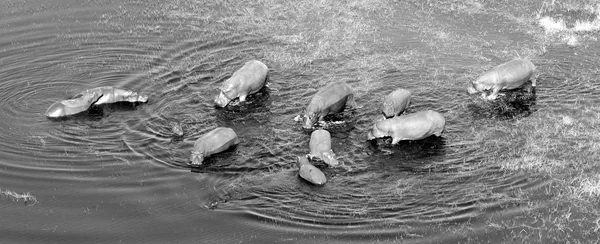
(119, 173)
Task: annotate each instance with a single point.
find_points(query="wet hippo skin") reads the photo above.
(309, 172)
(395, 103)
(215, 141)
(330, 99)
(95, 96)
(249, 79)
(507, 76)
(320, 147)
(416, 126)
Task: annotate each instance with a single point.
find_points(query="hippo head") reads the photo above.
(375, 133)
(78, 103)
(197, 158)
(472, 88)
(56, 110)
(222, 100)
(131, 96)
(310, 118)
(330, 159)
(311, 115)
(388, 109)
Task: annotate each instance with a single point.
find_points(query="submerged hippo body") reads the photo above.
(309, 172)
(331, 99)
(320, 147)
(245, 81)
(417, 126)
(95, 96)
(215, 141)
(507, 76)
(395, 103)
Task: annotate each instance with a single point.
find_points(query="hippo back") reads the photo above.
(310, 173)
(333, 97)
(395, 103)
(515, 73)
(217, 140)
(419, 125)
(320, 140)
(251, 78)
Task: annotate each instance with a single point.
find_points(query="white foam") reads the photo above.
(552, 25)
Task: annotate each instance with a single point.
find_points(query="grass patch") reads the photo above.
(562, 146)
(302, 31)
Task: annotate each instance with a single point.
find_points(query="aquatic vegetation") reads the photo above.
(569, 21)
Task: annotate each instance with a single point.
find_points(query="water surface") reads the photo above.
(119, 173)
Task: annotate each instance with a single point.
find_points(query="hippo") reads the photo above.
(95, 96)
(249, 79)
(79, 103)
(416, 126)
(395, 103)
(507, 76)
(331, 99)
(213, 142)
(309, 172)
(113, 94)
(320, 147)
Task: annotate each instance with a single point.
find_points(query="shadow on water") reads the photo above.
(512, 104)
(430, 146)
(255, 103)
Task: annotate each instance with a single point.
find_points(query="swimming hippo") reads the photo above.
(395, 103)
(79, 103)
(330, 99)
(416, 126)
(309, 172)
(320, 147)
(213, 142)
(245, 81)
(95, 96)
(113, 94)
(507, 76)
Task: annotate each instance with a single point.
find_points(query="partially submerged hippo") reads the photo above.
(320, 147)
(330, 99)
(113, 94)
(309, 172)
(245, 81)
(416, 126)
(215, 141)
(95, 96)
(79, 103)
(395, 103)
(507, 76)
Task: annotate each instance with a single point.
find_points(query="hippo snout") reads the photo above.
(222, 100)
(142, 98)
(308, 123)
(370, 136)
(196, 158)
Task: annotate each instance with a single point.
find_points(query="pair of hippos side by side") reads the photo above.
(331, 99)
